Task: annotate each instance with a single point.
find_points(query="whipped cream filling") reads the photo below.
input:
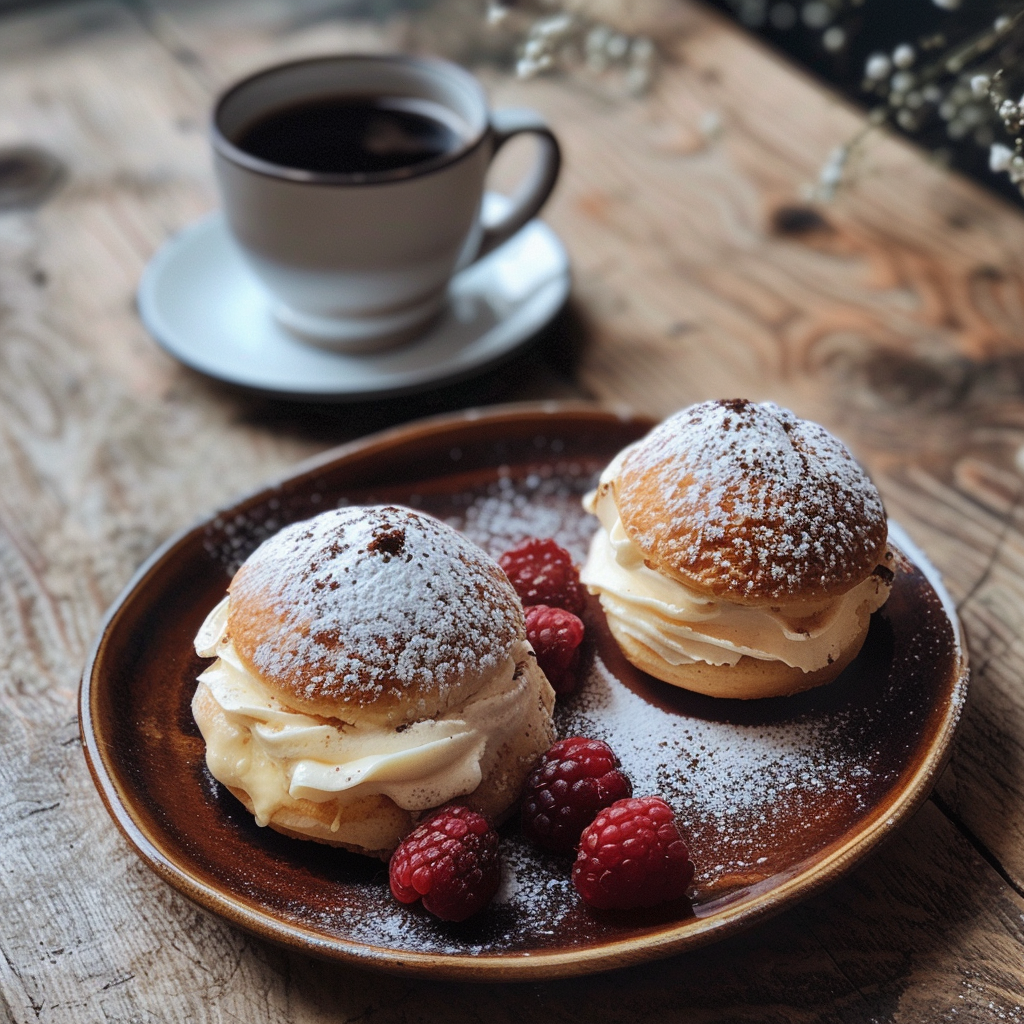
(278, 755)
(684, 626)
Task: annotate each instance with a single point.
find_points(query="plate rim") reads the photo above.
(498, 967)
(154, 323)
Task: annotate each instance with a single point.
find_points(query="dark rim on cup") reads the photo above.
(229, 151)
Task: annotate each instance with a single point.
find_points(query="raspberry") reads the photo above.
(632, 855)
(555, 635)
(575, 779)
(450, 860)
(543, 573)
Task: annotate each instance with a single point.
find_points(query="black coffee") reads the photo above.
(345, 135)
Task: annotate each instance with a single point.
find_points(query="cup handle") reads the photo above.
(538, 183)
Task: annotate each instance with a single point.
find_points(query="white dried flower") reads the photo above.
(902, 81)
(1008, 109)
(617, 46)
(878, 67)
(816, 14)
(552, 28)
(710, 124)
(529, 67)
(596, 41)
(1002, 23)
(638, 80)
(1016, 169)
(641, 51)
(980, 85)
(496, 14)
(834, 39)
(972, 115)
(831, 175)
(999, 158)
(903, 55)
(947, 5)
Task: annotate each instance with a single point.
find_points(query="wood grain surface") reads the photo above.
(893, 315)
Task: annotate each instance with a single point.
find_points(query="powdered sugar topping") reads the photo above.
(376, 599)
(751, 502)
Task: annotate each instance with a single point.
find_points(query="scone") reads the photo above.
(742, 551)
(372, 664)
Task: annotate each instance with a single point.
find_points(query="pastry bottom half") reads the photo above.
(374, 824)
(749, 679)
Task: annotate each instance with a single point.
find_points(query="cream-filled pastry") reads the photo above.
(372, 664)
(741, 553)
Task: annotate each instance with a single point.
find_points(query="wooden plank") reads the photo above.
(883, 326)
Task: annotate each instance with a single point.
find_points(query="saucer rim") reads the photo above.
(425, 379)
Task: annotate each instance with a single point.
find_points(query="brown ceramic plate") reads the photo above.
(778, 797)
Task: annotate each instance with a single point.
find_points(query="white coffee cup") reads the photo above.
(361, 261)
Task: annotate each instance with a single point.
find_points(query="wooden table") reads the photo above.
(894, 315)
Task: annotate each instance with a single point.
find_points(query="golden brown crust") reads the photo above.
(376, 614)
(748, 503)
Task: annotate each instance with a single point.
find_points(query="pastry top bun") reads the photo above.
(750, 504)
(374, 615)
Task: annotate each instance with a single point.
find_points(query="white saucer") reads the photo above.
(202, 304)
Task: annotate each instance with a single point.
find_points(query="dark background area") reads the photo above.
(880, 26)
